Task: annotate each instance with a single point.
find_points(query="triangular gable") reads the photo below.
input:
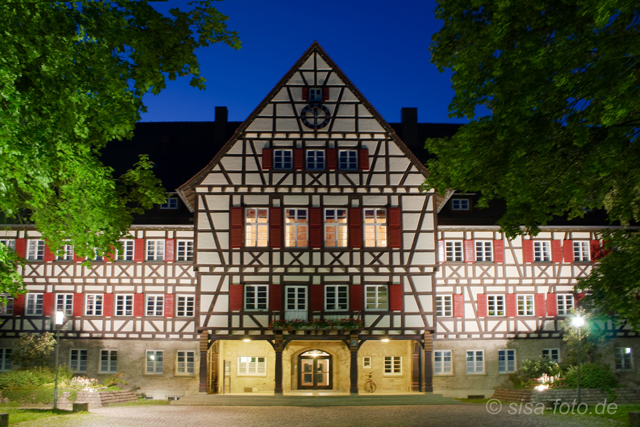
(280, 112)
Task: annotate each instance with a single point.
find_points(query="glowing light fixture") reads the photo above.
(385, 340)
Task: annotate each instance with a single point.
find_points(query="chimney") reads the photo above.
(220, 126)
(409, 117)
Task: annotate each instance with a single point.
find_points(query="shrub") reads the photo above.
(33, 377)
(31, 394)
(533, 369)
(33, 350)
(592, 375)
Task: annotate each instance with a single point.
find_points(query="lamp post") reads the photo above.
(578, 322)
(59, 321)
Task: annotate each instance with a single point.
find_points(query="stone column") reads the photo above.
(428, 368)
(353, 375)
(278, 347)
(204, 347)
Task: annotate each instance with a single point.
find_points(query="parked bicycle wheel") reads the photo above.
(369, 386)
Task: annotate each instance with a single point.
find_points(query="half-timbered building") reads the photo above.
(305, 256)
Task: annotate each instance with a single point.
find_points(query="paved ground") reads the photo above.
(273, 416)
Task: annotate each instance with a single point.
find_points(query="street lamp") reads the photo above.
(578, 322)
(59, 322)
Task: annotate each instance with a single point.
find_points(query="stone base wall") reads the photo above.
(590, 396)
(98, 399)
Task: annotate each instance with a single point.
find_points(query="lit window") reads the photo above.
(155, 250)
(525, 305)
(442, 362)
(484, 250)
(336, 297)
(348, 160)
(581, 252)
(34, 304)
(495, 305)
(335, 228)
(186, 363)
(541, 251)
(475, 361)
(315, 159)
(78, 360)
(624, 359)
(252, 365)
(506, 361)
(93, 306)
(256, 227)
(64, 303)
(453, 251)
(170, 203)
(565, 304)
(459, 204)
(155, 305)
(444, 306)
(155, 362)
(296, 228)
(5, 359)
(7, 307)
(124, 305)
(186, 306)
(255, 297)
(108, 361)
(375, 228)
(376, 297)
(393, 365)
(126, 253)
(35, 250)
(67, 253)
(282, 159)
(185, 250)
(552, 354)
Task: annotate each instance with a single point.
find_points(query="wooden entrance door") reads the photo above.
(314, 372)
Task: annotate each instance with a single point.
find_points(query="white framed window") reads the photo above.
(64, 303)
(155, 305)
(296, 228)
(366, 362)
(495, 305)
(315, 159)
(185, 306)
(375, 228)
(376, 297)
(460, 204)
(393, 365)
(256, 227)
(336, 297)
(335, 228)
(185, 362)
(506, 361)
(525, 305)
(170, 203)
(126, 253)
(444, 305)
(475, 361)
(155, 362)
(7, 308)
(453, 250)
(5, 359)
(67, 254)
(552, 354)
(255, 297)
(624, 358)
(296, 298)
(564, 304)
(348, 160)
(155, 250)
(581, 251)
(35, 250)
(124, 305)
(315, 94)
(541, 251)
(93, 305)
(185, 250)
(108, 361)
(282, 159)
(484, 250)
(442, 362)
(9, 243)
(34, 304)
(78, 360)
(252, 365)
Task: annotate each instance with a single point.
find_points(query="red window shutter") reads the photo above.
(267, 159)
(325, 93)
(527, 248)
(596, 252)
(47, 304)
(138, 250)
(556, 251)
(316, 297)
(77, 258)
(305, 93)
(78, 305)
(107, 305)
(552, 305)
(21, 247)
(169, 306)
(169, 250)
(498, 251)
(355, 227)
(236, 297)
(18, 305)
(275, 297)
(395, 297)
(567, 249)
(364, 159)
(332, 159)
(469, 251)
(541, 307)
(138, 305)
(395, 228)
(442, 257)
(298, 159)
(48, 255)
(512, 309)
(315, 227)
(458, 305)
(237, 217)
(355, 297)
(275, 227)
(578, 297)
(111, 255)
(482, 305)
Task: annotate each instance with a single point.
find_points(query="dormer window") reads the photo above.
(460, 204)
(170, 203)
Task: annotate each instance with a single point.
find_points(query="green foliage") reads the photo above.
(533, 369)
(115, 380)
(316, 324)
(560, 83)
(72, 78)
(592, 338)
(592, 375)
(33, 350)
(34, 377)
(31, 394)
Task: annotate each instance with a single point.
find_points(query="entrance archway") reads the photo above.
(315, 371)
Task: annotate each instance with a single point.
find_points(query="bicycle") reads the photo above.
(369, 385)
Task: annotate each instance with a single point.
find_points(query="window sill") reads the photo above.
(392, 375)
(184, 375)
(252, 375)
(476, 373)
(450, 374)
(154, 374)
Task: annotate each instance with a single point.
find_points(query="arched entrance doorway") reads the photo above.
(315, 370)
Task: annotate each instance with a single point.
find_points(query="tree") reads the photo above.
(72, 78)
(34, 350)
(561, 83)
